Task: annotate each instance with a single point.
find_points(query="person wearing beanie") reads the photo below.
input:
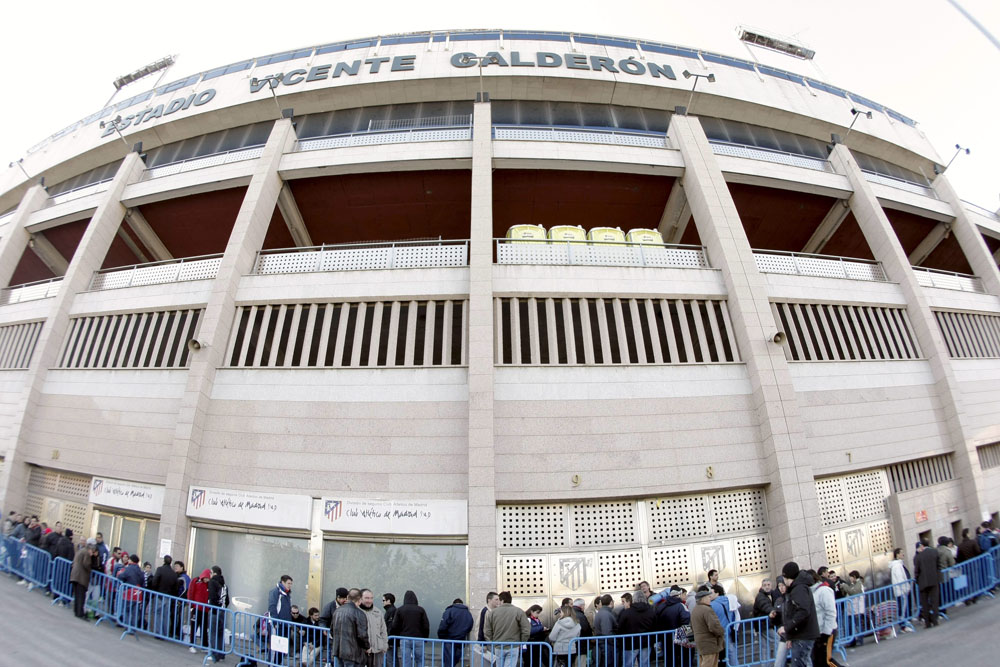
(709, 635)
(326, 616)
(800, 626)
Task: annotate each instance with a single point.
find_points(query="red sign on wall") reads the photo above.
(921, 516)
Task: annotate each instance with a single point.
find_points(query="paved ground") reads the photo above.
(54, 638)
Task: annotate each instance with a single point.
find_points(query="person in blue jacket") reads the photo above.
(132, 574)
(279, 608)
(456, 624)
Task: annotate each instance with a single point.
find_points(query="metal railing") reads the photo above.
(440, 128)
(78, 192)
(643, 650)
(204, 161)
(62, 589)
(872, 613)
(899, 183)
(600, 253)
(40, 289)
(733, 149)
(364, 257)
(823, 266)
(157, 273)
(969, 579)
(588, 135)
(975, 208)
(962, 282)
(32, 564)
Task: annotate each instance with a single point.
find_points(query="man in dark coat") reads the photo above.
(411, 621)
(635, 618)
(164, 581)
(218, 596)
(349, 632)
(492, 602)
(456, 624)
(64, 548)
(800, 625)
(925, 566)
(79, 575)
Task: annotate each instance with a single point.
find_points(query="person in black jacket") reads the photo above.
(411, 621)
(669, 614)
(218, 596)
(635, 618)
(925, 570)
(389, 604)
(800, 625)
(64, 548)
(164, 581)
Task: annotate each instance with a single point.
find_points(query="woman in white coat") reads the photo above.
(566, 629)
(901, 587)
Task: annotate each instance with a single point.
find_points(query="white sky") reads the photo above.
(919, 57)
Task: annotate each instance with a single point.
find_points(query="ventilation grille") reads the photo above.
(989, 455)
(738, 511)
(671, 565)
(613, 331)
(17, 343)
(524, 575)
(672, 518)
(751, 555)
(621, 571)
(832, 543)
(532, 526)
(132, 340)
(58, 484)
(828, 332)
(917, 474)
(34, 505)
(970, 335)
(603, 523)
(350, 334)
(849, 498)
(880, 537)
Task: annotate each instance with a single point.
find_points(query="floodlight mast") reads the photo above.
(161, 65)
(774, 43)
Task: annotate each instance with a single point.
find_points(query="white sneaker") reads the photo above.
(31, 586)
(192, 649)
(22, 582)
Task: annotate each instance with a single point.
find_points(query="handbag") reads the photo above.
(684, 636)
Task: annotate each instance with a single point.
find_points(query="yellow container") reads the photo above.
(526, 233)
(607, 235)
(572, 233)
(644, 236)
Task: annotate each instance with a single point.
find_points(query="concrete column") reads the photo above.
(482, 492)
(245, 240)
(15, 237)
(885, 246)
(791, 493)
(89, 256)
(969, 238)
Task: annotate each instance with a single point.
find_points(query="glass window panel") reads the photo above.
(105, 526)
(566, 113)
(151, 544)
(596, 115)
(396, 568)
(129, 539)
(252, 564)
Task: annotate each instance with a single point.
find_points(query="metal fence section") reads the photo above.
(78, 193)
(822, 266)
(32, 564)
(271, 641)
(769, 155)
(962, 282)
(876, 613)
(157, 273)
(751, 641)
(364, 257)
(62, 588)
(899, 184)
(201, 162)
(640, 650)
(583, 135)
(40, 289)
(972, 578)
(600, 253)
(416, 652)
(167, 617)
(102, 597)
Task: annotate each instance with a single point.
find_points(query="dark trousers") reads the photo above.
(79, 600)
(822, 650)
(929, 600)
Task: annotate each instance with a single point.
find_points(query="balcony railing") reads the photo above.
(585, 135)
(364, 257)
(157, 273)
(40, 289)
(77, 193)
(769, 155)
(600, 253)
(962, 282)
(985, 212)
(204, 161)
(823, 266)
(899, 184)
(437, 128)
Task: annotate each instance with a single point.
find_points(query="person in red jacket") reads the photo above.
(198, 592)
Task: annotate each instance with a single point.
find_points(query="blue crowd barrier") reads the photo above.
(7, 545)
(876, 611)
(142, 611)
(639, 650)
(969, 579)
(62, 588)
(29, 562)
(271, 641)
(102, 597)
(417, 652)
(752, 641)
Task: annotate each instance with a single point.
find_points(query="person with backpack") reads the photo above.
(800, 627)
(218, 597)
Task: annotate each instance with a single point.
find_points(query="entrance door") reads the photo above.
(133, 534)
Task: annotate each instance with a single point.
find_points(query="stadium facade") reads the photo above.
(269, 316)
